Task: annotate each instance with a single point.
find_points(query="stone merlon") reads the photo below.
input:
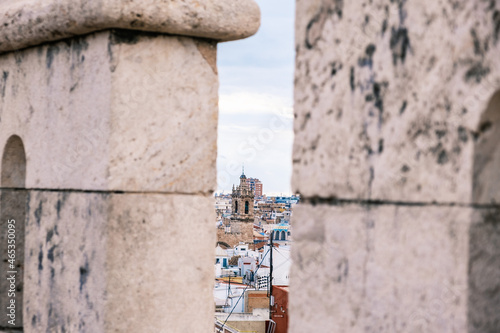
(32, 22)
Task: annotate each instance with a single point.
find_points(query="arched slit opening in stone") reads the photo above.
(13, 209)
(484, 236)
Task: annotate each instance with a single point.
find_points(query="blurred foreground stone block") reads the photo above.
(108, 137)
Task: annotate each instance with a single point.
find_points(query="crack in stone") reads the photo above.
(374, 202)
(200, 193)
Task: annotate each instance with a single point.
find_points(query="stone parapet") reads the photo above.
(108, 138)
(396, 158)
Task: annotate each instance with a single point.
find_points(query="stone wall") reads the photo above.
(396, 161)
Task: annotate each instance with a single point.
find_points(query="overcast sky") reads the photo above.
(256, 91)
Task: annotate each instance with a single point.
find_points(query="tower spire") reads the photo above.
(243, 169)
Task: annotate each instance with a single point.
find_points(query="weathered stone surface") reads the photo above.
(32, 22)
(160, 263)
(122, 110)
(382, 269)
(396, 138)
(390, 96)
(56, 98)
(164, 108)
(99, 262)
(65, 275)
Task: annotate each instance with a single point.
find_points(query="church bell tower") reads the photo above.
(242, 201)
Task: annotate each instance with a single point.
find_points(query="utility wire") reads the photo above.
(243, 293)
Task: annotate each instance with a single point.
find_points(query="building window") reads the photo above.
(236, 207)
(246, 207)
